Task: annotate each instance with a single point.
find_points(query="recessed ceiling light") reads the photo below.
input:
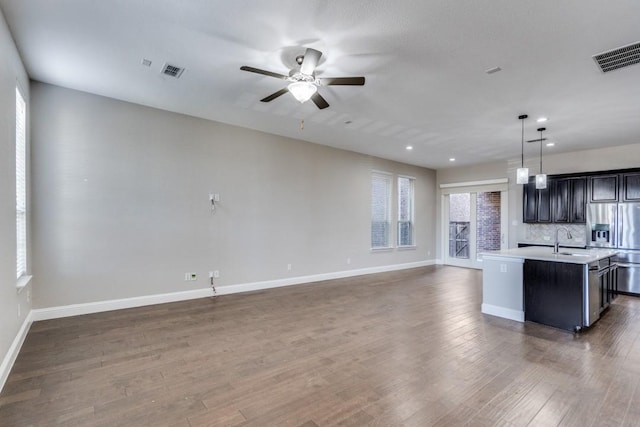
(542, 120)
(493, 70)
(146, 62)
(550, 144)
(409, 147)
(452, 159)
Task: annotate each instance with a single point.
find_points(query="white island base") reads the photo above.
(502, 290)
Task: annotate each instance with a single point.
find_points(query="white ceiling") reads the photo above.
(424, 61)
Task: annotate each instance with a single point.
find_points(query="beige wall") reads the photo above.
(11, 72)
(121, 205)
(619, 157)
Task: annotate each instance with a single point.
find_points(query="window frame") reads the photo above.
(22, 210)
(411, 208)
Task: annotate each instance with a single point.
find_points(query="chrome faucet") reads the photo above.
(556, 245)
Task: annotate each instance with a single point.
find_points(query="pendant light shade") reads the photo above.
(522, 174)
(541, 178)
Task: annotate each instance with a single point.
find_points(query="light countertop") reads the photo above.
(542, 253)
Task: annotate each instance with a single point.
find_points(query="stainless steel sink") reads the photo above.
(573, 254)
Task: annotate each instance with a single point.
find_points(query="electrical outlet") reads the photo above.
(28, 295)
(18, 311)
(190, 277)
(289, 267)
(503, 268)
(216, 274)
(348, 260)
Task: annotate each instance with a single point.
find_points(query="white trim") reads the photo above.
(381, 172)
(382, 249)
(116, 304)
(99, 306)
(476, 183)
(14, 349)
(507, 313)
(406, 176)
(503, 258)
(23, 281)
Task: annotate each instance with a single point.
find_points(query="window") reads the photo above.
(21, 184)
(405, 211)
(380, 209)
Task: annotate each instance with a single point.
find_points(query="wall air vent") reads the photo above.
(618, 58)
(172, 70)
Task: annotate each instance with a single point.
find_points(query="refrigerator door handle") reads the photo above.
(624, 265)
(619, 226)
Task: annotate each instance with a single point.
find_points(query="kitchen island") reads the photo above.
(566, 290)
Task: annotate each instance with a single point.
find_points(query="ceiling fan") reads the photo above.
(303, 81)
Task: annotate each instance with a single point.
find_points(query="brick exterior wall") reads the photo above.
(488, 220)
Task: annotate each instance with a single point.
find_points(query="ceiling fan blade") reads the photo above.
(264, 72)
(319, 101)
(275, 95)
(310, 61)
(346, 81)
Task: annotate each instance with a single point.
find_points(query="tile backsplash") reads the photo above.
(546, 233)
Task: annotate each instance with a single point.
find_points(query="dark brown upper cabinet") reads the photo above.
(568, 200)
(536, 203)
(603, 189)
(630, 187)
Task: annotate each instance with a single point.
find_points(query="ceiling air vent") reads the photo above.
(172, 70)
(618, 58)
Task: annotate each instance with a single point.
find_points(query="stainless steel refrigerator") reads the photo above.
(617, 226)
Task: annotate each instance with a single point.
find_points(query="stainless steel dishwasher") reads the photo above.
(592, 291)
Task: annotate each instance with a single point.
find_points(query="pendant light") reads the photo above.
(541, 178)
(522, 174)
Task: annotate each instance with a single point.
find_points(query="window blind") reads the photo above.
(380, 209)
(405, 211)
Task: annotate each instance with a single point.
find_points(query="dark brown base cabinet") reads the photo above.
(554, 292)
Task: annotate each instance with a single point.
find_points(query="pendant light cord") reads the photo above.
(541, 129)
(522, 145)
(522, 117)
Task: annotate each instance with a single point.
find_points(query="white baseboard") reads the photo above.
(118, 304)
(268, 284)
(507, 313)
(14, 349)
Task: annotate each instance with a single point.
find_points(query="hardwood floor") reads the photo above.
(407, 348)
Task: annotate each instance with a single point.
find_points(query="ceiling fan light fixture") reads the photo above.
(302, 91)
